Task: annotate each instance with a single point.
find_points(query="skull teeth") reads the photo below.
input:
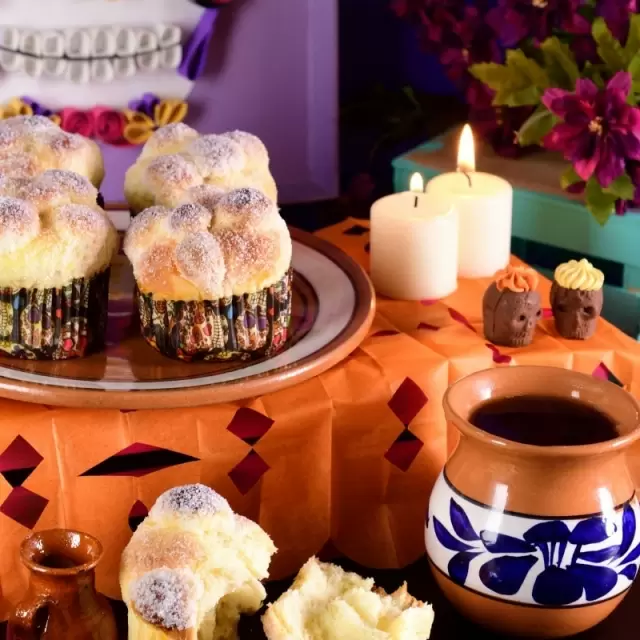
(92, 54)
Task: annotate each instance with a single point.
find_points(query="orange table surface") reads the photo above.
(344, 462)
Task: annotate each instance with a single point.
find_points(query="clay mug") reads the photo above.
(540, 541)
(61, 602)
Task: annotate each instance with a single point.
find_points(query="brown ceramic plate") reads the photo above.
(333, 307)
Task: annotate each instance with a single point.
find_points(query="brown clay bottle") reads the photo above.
(61, 602)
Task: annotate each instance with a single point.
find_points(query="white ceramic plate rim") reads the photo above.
(336, 305)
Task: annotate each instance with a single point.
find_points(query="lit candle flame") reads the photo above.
(416, 184)
(466, 151)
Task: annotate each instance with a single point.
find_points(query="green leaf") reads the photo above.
(600, 203)
(492, 74)
(621, 187)
(633, 39)
(569, 177)
(560, 63)
(519, 82)
(539, 123)
(609, 49)
(594, 73)
(530, 69)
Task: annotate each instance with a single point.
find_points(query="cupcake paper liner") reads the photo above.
(55, 324)
(242, 327)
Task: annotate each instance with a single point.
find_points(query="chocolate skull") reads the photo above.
(576, 312)
(510, 317)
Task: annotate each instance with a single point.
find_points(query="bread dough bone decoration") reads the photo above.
(52, 50)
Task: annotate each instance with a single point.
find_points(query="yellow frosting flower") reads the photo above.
(579, 275)
(15, 107)
(140, 126)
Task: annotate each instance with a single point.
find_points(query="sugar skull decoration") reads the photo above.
(511, 307)
(64, 58)
(577, 298)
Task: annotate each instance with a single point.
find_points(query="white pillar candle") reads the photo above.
(484, 204)
(414, 249)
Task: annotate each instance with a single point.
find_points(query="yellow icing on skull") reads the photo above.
(579, 275)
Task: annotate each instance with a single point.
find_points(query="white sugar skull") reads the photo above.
(82, 53)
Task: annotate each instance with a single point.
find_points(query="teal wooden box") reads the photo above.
(549, 227)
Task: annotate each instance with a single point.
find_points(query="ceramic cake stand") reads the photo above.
(333, 307)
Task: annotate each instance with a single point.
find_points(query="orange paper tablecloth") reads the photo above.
(344, 462)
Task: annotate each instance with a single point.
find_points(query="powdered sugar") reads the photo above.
(19, 223)
(252, 146)
(167, 598)
(207, 195)
(199, 258)
(80, 219)
(244, 205)
(173, 170)
(188, 501)
(172, 133)
(29, 125)
(157, 548)
(190, 217)
(217, 156)
(56, 183)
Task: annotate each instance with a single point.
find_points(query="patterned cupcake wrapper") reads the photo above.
(55, 324)
(245, 327)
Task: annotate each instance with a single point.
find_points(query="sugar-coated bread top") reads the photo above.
(30, 145)
(177, 158)
(329, 603)
(52, 230)
(214, 245)
(191, 555)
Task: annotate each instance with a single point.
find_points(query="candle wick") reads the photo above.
(467, 175)
(415, 203)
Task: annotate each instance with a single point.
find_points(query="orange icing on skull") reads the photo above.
(517, 279)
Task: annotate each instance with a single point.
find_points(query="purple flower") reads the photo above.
(515, 20)
(466, 42)
(616, 14)
(599, 132)
(146, 104)
(36, 107)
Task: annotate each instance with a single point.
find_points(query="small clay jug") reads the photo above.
(532, 540)
(61, 602)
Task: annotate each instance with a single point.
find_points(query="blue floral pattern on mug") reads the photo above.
(550, 562)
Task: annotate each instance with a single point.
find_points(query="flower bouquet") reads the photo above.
(563, 74)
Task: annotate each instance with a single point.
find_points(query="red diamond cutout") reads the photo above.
(547, 312)
(24, 506)
(248, 471)
(18, 461)
(137, 514)
(430, 327)
(498, 358)
(356, 230)
(404, 450)
(458, 317)
(139, 460)
(407, 401)
(249, 425)
(604, 373)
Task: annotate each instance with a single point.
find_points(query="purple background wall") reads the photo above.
(272, 70)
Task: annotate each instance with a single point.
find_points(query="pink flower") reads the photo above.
(77, 121)
(109, 125)
(599, 131)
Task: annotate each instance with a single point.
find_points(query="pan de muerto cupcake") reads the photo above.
(214, 275)
(177, 158)
(56, 245)
(193, 567)
(30, 145)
